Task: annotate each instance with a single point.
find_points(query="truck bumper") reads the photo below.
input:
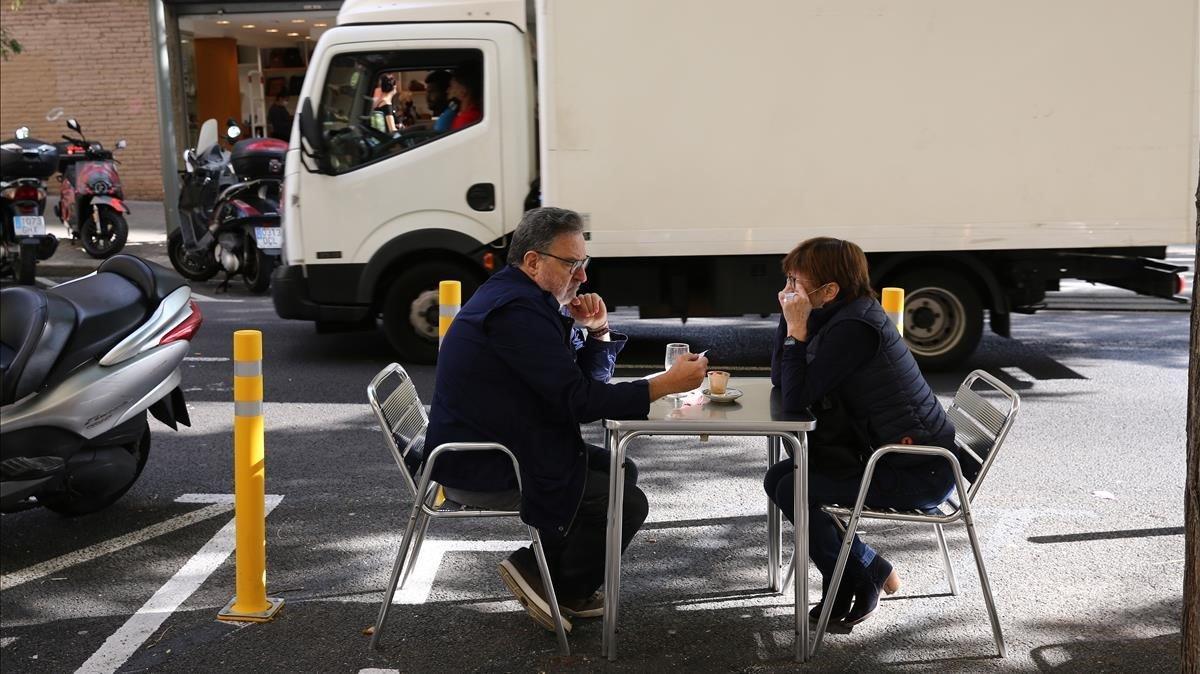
(293, 300)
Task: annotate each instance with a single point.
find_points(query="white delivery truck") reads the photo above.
(978, 151)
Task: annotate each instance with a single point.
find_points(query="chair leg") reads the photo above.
(787, 576)
(397, 566)
(564, 648)
(422, 526)
(839, 570)
(987, 586)
(941, 539)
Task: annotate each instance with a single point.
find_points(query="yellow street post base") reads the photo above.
(229, 614)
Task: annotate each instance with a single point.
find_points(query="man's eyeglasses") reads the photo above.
(575, 265)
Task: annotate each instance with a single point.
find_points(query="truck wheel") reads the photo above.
(191, 266)
(103, 234)
(83, 496)
(943, 317)
(410, 308)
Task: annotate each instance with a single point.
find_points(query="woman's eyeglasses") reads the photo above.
(574, 264)
(794, 282)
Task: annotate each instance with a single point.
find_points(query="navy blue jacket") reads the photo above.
(514, 369)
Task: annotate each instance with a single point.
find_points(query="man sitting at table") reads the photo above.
(524, 363)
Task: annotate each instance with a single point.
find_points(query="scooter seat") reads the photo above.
(155, 280)
(34, 330)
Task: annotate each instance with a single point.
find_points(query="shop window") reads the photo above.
(378, 104)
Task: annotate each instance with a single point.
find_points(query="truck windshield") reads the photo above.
(377, 104)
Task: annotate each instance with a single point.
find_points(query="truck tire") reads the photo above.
(410, 307)
(943, 317)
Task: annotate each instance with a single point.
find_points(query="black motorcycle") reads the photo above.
(91, 200)
(25, 164)
(241, 230)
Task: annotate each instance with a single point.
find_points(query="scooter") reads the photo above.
(25, 163)
(91, 200)
(82, 363)
(207, 171)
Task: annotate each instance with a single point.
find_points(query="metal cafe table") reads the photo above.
(756, 413)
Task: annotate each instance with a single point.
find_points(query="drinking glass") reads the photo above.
(674, 351)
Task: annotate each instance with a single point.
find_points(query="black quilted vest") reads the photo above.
(887, 397)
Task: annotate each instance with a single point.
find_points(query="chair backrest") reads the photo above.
(402, 418)
(983, 411)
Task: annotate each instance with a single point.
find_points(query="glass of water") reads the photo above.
(674, 351)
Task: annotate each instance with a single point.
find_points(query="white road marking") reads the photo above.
(205, 298)
(44, 282)
(206, 359)
(5, 641)
(10, 580)
(374, 670)
(119, 647)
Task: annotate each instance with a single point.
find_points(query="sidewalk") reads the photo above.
(147, 239)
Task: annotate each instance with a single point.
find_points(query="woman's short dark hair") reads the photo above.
(539, 228)
(828, 260)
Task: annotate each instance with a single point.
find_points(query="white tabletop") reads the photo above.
(758, 410)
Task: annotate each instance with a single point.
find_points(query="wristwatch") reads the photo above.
(790, 341)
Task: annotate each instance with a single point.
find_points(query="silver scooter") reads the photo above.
(81, 364)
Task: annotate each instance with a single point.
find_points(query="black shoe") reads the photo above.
(841, 604)
(866, 591)
(520, 573)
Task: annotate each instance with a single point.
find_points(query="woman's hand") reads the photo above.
(796, 307)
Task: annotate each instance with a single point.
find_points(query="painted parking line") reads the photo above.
(10, 580)
(5, 641)
(205, 359)
(119, 647)
(205, 298)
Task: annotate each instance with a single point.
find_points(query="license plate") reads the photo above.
(268, 237)
(29, 225)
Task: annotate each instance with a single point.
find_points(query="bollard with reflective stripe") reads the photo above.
(449, 300)
(893, 306)
(251, 602)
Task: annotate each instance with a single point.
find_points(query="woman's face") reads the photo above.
(819, 294)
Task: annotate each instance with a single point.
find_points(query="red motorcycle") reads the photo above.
(91, 201)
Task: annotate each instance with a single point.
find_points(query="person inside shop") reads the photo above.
(837, 354)
(383, 116)
(279, 120)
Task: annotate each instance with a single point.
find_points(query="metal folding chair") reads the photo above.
(403, 420)
(980, 430)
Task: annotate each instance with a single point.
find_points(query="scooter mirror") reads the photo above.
(22, 132)
(121, 144)
(233, 132)
(73, 125)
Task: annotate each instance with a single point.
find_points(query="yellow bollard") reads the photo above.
(893, 306)
(449, 300)
(251, 603)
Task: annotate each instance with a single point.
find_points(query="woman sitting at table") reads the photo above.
(837, 354)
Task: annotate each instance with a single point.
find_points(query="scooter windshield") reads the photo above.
(207, 138)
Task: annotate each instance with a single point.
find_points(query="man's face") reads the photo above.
(435, 94)
(554, 275)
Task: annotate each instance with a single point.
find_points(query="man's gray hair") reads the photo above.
(539, 228)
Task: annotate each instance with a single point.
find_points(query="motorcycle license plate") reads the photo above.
(268, 237)
(29, 225)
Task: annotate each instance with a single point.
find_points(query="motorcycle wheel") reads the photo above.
(27, 264)
(103, 233)
(191, 266)
(256, 271)
(72, 503)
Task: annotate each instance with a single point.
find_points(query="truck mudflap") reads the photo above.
(1142, 275)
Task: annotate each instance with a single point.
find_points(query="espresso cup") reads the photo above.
(717, 381)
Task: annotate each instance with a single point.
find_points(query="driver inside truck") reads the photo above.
(466, 87)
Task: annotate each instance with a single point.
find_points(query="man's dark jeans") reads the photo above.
(577, 559)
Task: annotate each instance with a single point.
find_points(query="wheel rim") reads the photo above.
(423, 315)
(934, 321)
(100, 235)
(186, 260)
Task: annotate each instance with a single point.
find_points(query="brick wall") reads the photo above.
(93, 60)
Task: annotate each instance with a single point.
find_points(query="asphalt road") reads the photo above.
(1081, 524)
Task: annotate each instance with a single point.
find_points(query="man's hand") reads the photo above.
(686, 374)
(589, 311)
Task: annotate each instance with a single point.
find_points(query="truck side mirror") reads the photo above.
(311, 141)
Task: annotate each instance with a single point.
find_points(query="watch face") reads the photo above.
(790, 341)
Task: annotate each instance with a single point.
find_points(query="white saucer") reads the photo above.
(731, 394)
